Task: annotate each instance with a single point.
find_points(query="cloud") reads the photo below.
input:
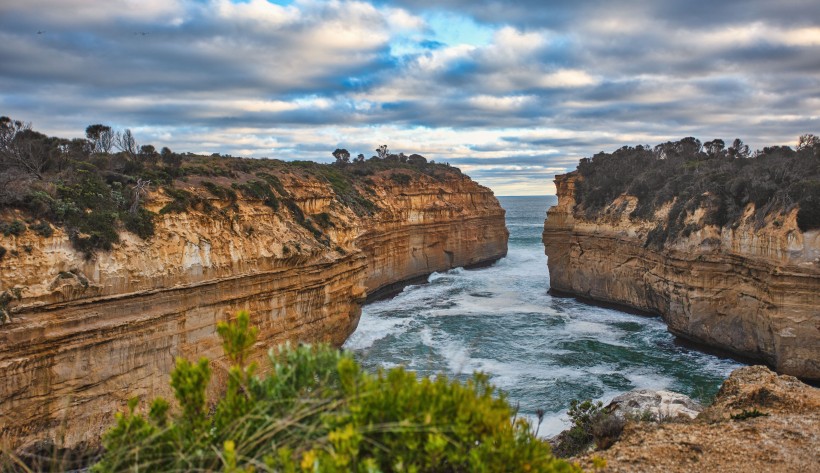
(512, 91)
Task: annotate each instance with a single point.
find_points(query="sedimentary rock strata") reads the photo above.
(89, 333)
(753, 289)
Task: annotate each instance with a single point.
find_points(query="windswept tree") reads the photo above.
(25, 150)
(342, 156)
(126, 142)
(101, 137)
(382, 152)
(359, 158)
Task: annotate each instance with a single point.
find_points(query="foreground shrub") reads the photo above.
(592, 425)
(317, 411)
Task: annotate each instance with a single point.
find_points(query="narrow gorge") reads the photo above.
(87, 332)
(750, 286)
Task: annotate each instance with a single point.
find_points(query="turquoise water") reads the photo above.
(543, 351)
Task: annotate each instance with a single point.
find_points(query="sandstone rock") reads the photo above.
(751, 290)
(784, 435)
(659, 405)
(89, 334)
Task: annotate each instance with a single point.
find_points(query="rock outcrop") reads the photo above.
(759, 422)
(89, 333)
(752, 289)
(658, 405)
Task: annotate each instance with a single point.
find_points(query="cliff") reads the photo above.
(88, 332)
(752, 288)
(759, 422)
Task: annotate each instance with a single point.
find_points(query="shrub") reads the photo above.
(219, 191)
(15, 227)
(140, 223)
(743, 415)
(42, 228)
(591, 424)
(400, 178)
(317, 411)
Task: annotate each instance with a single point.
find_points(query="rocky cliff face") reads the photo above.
(89, 333)
(753, 289)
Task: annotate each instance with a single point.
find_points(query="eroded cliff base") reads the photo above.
(776, 427)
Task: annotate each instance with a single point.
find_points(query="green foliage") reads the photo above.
(317, 411)
(184, 201)
(42, 228)
(591, 424)
(6, 297)
(140, 223)
(15, 227)
(219, 191)
(750, 414)
(400, 178)
(690, 175)
(259, 190)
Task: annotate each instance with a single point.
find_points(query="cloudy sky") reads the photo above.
(511, 92)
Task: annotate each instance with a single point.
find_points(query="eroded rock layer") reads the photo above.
(753, 289)
(759, 422)
(87, 334)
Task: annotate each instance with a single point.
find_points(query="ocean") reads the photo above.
(542, 351)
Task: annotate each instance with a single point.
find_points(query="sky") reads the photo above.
(510, 92)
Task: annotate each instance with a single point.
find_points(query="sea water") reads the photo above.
(542, 351)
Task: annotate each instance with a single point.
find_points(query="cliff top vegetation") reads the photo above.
(96, 186)
(690, 175)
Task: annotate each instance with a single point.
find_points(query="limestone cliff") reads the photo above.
(89, 333)
(753, 288)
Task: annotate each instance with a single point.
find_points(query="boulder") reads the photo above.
(646, 404)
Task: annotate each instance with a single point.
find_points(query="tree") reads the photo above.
(148, 154)
(807, 141)
(23, 149)
(342, 156)
(714, 148)
(382, 151)
(170, 158)
(359, 158)
(101, 137)
(417, 160)
(738, 149)
(126, 142)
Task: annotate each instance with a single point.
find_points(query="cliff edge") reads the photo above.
(298, 245)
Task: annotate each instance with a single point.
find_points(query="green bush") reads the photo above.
(400, 178)
(592, 425)
(42, 228)
(140, 223)
(316, 411)
(15, 227)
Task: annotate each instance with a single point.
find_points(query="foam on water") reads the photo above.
(541, 350)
